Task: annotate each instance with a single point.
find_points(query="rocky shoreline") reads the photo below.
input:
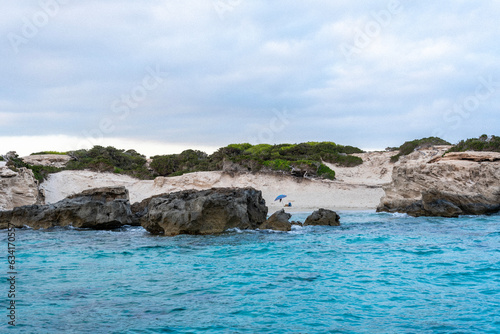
(427, 182)
(202, 212)
(449, 185)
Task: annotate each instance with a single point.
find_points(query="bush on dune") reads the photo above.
(410, 146)
(177, 164)
(110, 159)
(483, 143)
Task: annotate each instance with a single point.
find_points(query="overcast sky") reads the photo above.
(161, 76)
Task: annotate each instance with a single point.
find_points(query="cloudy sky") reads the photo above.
(161, 76)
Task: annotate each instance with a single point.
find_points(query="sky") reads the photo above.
(164, 76)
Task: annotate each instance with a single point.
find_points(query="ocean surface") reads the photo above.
(377, 273)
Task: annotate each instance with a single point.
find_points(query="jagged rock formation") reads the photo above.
(54, 160)
(456, 184)
(469, 156)
(18, 188)
(323, 217)
(204, 212)
(101, 208)
(279, 221)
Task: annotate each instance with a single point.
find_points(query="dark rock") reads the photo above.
(101, 208)
(140, 209)
(204, 212)
(278, 222)
(323, 217)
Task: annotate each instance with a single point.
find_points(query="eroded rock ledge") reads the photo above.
(101, 208)
(464, 183)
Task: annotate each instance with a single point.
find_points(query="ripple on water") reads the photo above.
(378, 272)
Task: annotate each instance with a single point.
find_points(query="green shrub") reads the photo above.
(186, 162)
(343, 160)
(110, 159)
(241, 147)
(42, 172)
(326, 172)
(278, 164)
(261, 151)
(410, 146)
(483, 143)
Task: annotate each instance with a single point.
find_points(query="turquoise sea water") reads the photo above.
(377, 273)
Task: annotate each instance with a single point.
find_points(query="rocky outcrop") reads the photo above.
(101, 208)
(323, 217)
(457, 184)
(54, 160)
(18, 188)
(469, 156)
(204, 212)
(279, 221)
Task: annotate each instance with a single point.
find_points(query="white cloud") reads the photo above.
(227, 72)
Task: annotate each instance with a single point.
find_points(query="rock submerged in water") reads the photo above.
(204, 212)
(101, 208)
(323, 217)
(279, 221)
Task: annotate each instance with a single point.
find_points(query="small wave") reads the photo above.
(400, 215)
(271, 231)
(234, 229)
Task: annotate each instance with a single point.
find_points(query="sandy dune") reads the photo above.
(355, 188)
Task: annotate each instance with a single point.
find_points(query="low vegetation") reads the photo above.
(110, 159)
(177, 164)
(305, 157)
(483, 143)
(410, 146)
(50, 152)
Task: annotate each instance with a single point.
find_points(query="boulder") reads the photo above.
(101, 208)
(18, 188)
(204, 212)
(279, 221)
(323, 217)
(53, 160)
(464, 183)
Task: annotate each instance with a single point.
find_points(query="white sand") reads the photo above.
(356, 188)
(304, 194)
